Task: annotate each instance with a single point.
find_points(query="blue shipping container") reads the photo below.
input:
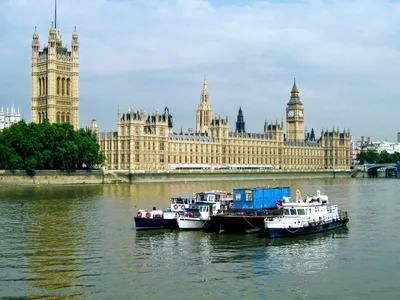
(259, 198)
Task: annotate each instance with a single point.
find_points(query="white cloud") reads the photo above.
(345, 55)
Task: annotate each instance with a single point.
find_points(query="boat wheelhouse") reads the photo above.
(223, 198)
(197, 216)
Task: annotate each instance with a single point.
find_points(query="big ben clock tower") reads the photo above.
(295, 116)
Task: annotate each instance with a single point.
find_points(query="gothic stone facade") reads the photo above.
(148, 142)
(55, 80)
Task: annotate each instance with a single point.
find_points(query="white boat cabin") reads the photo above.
(311, 209)
(181, 203)
(201, 210)
(223, 198)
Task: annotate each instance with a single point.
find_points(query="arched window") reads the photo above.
(58, 118)
(58, 85)
(68, 87)
(45, 89)
(68, 118)
(39, 87)
(63, 87)
(40, 117)
(63, 117)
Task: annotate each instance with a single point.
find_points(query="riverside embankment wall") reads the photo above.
(213, 175)
(15, 178)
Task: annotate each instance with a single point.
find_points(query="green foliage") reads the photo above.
(374, 157)
(48, 146)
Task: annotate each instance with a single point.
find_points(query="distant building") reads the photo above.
(377, 146)
(9, 117)
(147, 141)
(398, 137)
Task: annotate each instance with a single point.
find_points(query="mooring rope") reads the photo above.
(250, 223)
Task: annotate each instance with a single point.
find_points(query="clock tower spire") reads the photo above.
(295, 116)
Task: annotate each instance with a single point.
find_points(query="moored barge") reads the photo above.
(250, 208)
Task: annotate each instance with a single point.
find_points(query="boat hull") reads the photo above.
(237, 224)
(155, 223)
(275, 232)
(192, 223)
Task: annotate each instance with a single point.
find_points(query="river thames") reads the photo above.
(80, 242)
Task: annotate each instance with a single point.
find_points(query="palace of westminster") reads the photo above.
(148, 142)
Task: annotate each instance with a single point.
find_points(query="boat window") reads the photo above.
(249, 196)
(301, 212)
(286, 212)
(200, 197)
(293, 212)
(237, 197)
(310, 210)
(211, 198)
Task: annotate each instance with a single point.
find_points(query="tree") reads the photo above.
(48, 146)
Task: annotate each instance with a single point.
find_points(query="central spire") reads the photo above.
(204, 93)
(205, 84)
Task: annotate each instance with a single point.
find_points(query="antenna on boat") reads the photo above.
(298, 196)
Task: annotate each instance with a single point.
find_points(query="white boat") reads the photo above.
(207, 204)
(197, 216)
(311, 215)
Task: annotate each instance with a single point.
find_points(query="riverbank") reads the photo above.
(50, 177)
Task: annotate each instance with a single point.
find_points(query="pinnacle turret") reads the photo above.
(294, 94)
(240, 124)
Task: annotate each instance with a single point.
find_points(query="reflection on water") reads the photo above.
(303, 255)
(43, 229)
(81, 242)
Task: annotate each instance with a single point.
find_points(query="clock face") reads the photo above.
(291, 113)
(300, 113)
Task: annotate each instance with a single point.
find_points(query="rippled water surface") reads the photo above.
(79, 242)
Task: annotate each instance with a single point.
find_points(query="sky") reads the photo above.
(154, 53)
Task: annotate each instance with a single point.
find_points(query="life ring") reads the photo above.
(176, 206)
(148, 215)
(190, 214)
(182, 206)
(139, 214)
(177, 214)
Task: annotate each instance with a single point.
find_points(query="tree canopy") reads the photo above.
(375, 157)
(45, 146)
